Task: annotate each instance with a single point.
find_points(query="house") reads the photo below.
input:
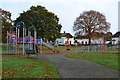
(79, 39)
(116, 38)
(84, 40)
(65, 37)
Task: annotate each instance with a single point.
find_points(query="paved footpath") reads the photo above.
(77, 68)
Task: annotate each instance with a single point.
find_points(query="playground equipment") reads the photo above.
(13, 36)
(32, 42)
(28, 43)
(50, 47)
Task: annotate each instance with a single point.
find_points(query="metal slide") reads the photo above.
(49, 46)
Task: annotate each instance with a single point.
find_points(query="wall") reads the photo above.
(83, 41)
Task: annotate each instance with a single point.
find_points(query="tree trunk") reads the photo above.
(89, 47)
(89, 41)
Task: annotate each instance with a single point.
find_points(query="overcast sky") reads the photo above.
(67, 10)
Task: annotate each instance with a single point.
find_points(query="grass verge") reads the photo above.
(19, 67)
(106, 59)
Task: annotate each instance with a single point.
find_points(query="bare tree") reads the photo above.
(90, 24)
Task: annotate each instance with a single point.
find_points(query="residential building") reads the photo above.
(84, 40)
(116, 38)
(65, 37)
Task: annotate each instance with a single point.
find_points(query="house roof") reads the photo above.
(81, 37)
(117, 34)
(67, 35)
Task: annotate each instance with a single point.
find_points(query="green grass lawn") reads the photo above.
(106, 59)
(19, 67)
